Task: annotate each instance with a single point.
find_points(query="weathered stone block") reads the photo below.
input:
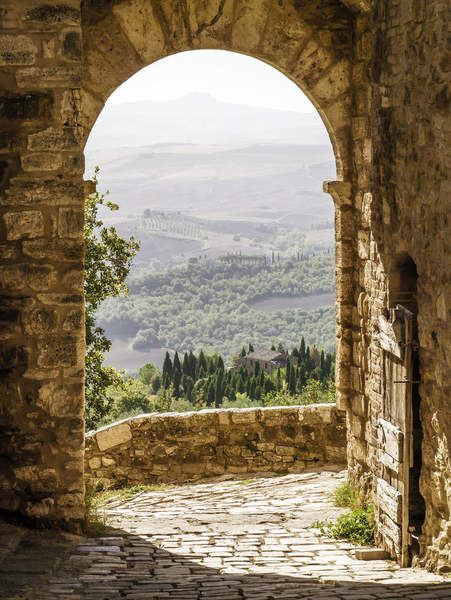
(24, 224)
(13, 359)
(73, 320)
(49, 77)
(50, 14)
(26, 106)
(113, 436)
(94, 463)
(17, 50)
(38, 277)
(70, 222)
(58, 351)
(40, 321)
(8, 252)
(41, 161)
(243, 417)
(58, 400)
(72, 45)
(53, 139)
(48, 190)
(371, 554)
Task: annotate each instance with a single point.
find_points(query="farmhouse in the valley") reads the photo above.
(269, 360)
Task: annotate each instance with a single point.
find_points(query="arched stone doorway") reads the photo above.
(294, 37)
(57, 94)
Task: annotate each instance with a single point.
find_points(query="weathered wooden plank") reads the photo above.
(386, 327)
(390, 336)
(389, 345)
(391, 533)
(389, 501)
(391, 440)
(389, 462)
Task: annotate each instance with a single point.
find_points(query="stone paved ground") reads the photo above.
(248, 540)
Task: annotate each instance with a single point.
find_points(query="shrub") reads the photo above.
(356, 526)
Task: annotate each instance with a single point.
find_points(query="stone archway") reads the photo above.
(386, 105)
(120, 41)
(297, 38)
(60, 74)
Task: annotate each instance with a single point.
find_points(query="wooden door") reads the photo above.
(395, 432)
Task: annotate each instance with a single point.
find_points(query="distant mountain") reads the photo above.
(198, 118)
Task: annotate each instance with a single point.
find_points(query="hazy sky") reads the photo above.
(227, 76)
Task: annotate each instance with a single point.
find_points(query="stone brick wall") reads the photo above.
(180, 447)
(59, 61)
(406, 214)
(41, 262)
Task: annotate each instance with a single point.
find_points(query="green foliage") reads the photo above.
(241, 401)
(202, 381)
(345, 496)
(108, 259)
(281, 397)
(96, 522)
(147, 373)
(356, 526)
(316, 393)
(209, 306)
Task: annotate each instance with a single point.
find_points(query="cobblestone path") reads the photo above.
(248, 540)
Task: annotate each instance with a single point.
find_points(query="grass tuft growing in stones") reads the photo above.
(356, 526)
(345, 496)
(96, 521)
(97, 498)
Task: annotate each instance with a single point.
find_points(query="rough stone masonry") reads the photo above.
(378, 72)
(181, 447)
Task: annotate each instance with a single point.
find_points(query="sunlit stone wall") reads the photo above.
(180, 447)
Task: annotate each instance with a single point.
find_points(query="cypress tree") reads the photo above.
(210, 394)
(192, 365)
(302, 349)
(167, 371)
(202, 363)
(252, 390)
(211, 365)
(287, 374)
(302, 377)
(218, 389)
(243, 351)
(251, 348)
(322, 366)
(268, 386)
(220, 365)
(186, 365)
(279, 380)
(257, 369)
(292, 382)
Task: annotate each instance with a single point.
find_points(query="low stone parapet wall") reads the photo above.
(180, 447)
